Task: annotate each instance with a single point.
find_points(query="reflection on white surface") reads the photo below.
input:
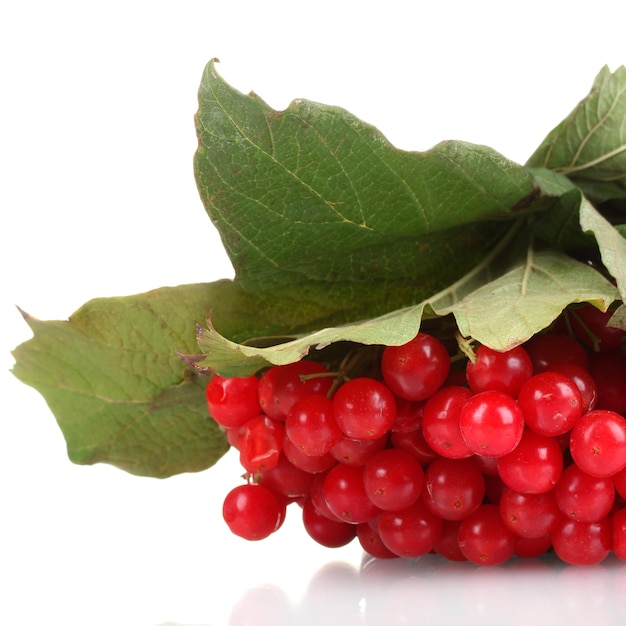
(432, 591)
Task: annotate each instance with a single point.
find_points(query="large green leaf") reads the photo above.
(120, 394)
(314, 200)
(589, 146)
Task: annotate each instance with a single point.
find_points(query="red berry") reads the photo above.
(484, 539)
(416, 369)
(252, 511)
(529, 515)
(364, 408)
(589, 325)
(295, 381)
(500, 371)
(598, 443)
(345, 494)
(311, 425)
(582, 543)
(232, 401)
(550, 348)
(551, 403)
(327, 532)
(260, 443)
(491, 423)
(393, 479)
(455, 488)
(440, 422)
(582, 497)
(411, 532)
(534, 466)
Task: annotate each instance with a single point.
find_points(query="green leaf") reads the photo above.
(509, 310)
(589, 146)
(120, 394)
(531, 289)
(610, 241)
(313, 200)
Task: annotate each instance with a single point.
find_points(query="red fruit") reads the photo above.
(311, 425)
(440, 422)
(345, 494)
(551, 403)
(484, 539)
(364, 408)
(252, 511)
(529, 515)
(491, 423)
(232, 401)
(454, 488)
(294, 381)
(393, 479)
(500, 371)
(582, 497)
(590, 328)
(550, 348)
(534, 466)
(412, 532)
(327, 532)
(582, 543)
(598, 443)
(416, 369)
(609, 372)
(260, 443)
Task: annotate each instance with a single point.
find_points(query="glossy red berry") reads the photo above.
(416, 369)
(491, 423)
(598, 443)
(252, 511)
(364, 408)
(500, 371)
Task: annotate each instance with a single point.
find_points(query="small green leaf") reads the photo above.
(509, 310)
(589, 146)
(610, 241)
(119, 392)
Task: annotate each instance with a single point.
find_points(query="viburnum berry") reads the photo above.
(260, 443)
(529, 515)
(393, 479)
(598, 443)
(364, 408)
(415, 370)
(454, 488)
(582, 497)
(311, 425)
(491, 423)
(252, 511)
(551, 403)
(345, 494)
(293, 382)
(582, 543)
(411, 532)
(440, 422)
(534, 466)
(590, 327)
(483, 537)
(501, 371)
(327, 532)
(547, 349)
(232, 401)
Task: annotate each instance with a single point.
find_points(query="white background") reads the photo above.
(97, 198)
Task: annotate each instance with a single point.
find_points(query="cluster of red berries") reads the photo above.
(482, 459)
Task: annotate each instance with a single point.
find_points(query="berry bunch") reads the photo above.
(478, 458)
